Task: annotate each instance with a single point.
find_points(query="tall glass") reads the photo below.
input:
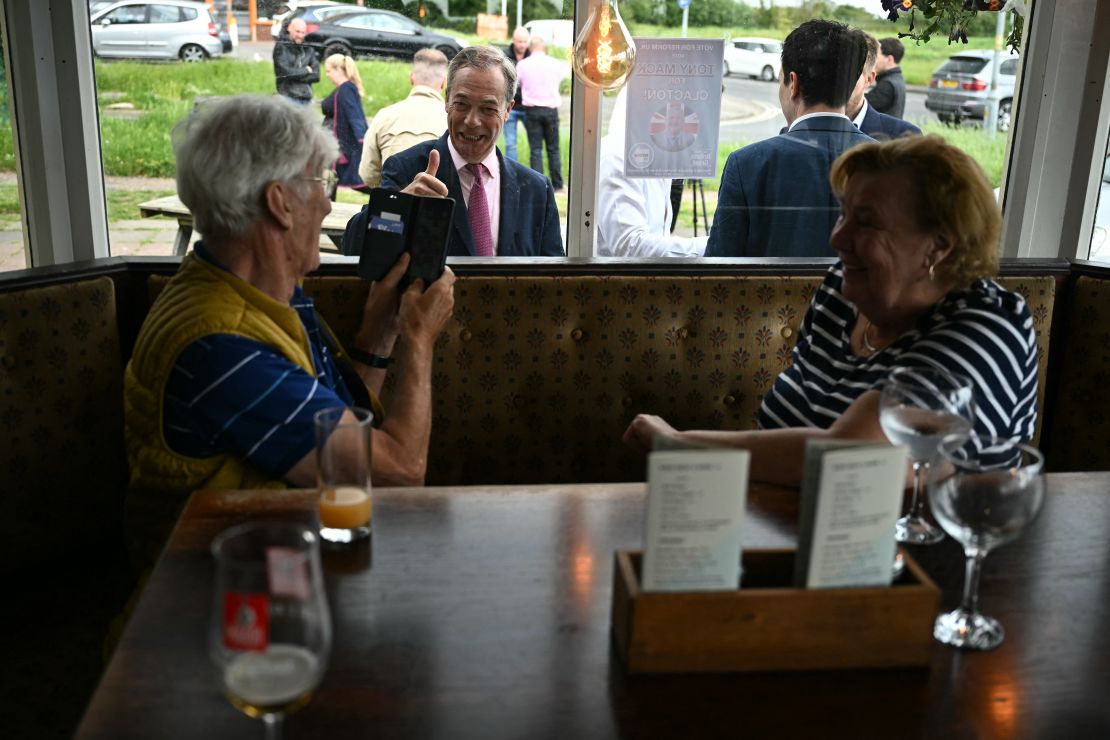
(919, 406)
(983, 491)
(270, 631)
(343, 473)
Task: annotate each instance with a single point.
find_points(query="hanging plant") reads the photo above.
(929, 17)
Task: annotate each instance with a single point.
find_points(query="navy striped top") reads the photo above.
(983, 332)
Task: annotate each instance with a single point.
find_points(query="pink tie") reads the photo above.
(478, 212)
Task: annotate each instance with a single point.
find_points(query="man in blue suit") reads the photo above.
(509, 207)
(870, 121)
(775, 199)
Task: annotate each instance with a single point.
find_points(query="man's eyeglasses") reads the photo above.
(327, 180)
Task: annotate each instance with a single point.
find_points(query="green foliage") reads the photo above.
(165, 93)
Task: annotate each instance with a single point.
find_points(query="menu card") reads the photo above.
(851, 497)
(694, 513)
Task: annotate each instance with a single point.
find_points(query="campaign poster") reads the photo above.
(673, 118)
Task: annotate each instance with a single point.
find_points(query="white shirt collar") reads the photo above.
(858, 120)
(799, 119)
(460, 164)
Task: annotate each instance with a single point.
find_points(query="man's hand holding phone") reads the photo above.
(425, 311)
(380, 324)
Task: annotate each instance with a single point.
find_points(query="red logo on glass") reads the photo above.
(246, 621)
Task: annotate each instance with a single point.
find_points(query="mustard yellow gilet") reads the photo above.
(201, 299)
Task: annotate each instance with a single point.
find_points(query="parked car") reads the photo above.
(959, 89)
(312, 12)
(378, 33)
(554, 32)
(164, 29)
(754, 57)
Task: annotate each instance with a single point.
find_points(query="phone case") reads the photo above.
(399, 222)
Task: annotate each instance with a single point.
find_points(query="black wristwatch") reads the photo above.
(369, 358)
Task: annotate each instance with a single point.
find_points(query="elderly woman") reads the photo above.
(232, 360)
(345, 118)
(917, 239)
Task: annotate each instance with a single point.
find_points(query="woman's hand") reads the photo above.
(380, 324)
(641, 432)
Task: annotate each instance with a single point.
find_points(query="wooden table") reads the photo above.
(333, 226)
(485, 614)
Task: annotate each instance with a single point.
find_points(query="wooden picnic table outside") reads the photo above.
(333, 226)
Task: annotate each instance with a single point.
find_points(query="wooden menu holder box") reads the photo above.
(768, 625)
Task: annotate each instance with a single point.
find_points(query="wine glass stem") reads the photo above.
(273, 723)
(970, 603)
(917, 503)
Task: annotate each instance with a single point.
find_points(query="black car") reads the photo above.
(377, 33)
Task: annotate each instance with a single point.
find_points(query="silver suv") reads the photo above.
(158, 29)
(960, 88)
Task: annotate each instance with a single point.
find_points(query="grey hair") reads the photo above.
(483, 57)
(228, 150)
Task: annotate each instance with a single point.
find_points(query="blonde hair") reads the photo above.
(347, 64)
(953, 198)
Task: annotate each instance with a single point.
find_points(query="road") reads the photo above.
(765, 94)
(751, 112)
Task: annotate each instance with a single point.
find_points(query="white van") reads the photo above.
(554, 32)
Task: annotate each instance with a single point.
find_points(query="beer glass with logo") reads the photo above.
(270, 631)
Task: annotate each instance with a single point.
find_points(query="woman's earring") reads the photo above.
(932, 267)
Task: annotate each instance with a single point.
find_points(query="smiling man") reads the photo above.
(502, 208)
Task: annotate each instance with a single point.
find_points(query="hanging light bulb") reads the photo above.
(604, 52)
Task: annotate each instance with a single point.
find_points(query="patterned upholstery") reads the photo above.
(62, 476)
(61, 394)
(536, 378)
(1081, 414)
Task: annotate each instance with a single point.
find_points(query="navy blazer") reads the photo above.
(775, 199)
(529, 225)
(883, 127)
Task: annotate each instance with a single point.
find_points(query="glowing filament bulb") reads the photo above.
(604, 52)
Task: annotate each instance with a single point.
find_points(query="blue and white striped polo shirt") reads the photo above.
(236, 396)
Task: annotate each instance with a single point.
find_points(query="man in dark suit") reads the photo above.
(502, 208)
(870, 121)
(775, 199)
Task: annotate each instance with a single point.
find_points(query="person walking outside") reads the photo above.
(345, 118)
(296, 67)
(516, 51)
(539, 77)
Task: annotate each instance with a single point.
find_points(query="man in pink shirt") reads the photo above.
(539, 76)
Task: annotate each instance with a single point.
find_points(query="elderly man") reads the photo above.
(502, 208)
(233, 360)
(417, 118)
(863, 114)
(775, 199)
(515, 52)
(296, 67)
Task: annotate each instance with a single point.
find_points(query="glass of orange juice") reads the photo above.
(343, 473)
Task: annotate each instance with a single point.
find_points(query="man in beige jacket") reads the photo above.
(419, 117)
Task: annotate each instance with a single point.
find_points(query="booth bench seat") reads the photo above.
(535, 379)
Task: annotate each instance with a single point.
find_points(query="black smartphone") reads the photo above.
(397, 222)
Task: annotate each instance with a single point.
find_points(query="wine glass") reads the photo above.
(983, 491)
(918, 407)
(270, 632)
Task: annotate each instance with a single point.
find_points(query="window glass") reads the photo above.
(1100, 234)
(166, 14)
(12, 253)
(128, 14)
(953, 90)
